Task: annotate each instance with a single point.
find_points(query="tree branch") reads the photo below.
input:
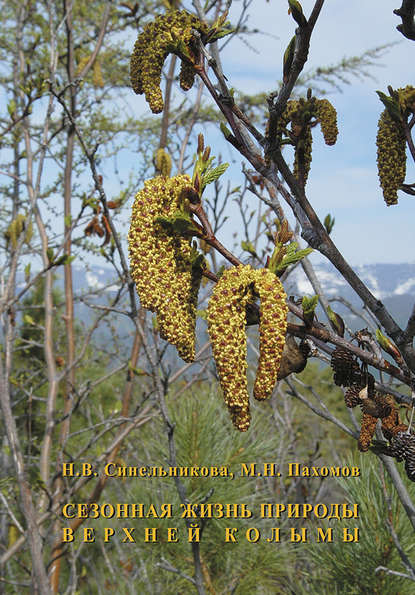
(406, 12)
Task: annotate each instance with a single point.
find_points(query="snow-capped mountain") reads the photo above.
(383, 280)
(393, 284)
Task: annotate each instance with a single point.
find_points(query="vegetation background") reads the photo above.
(84, 375)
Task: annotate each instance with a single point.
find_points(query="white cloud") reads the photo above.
(405, 287)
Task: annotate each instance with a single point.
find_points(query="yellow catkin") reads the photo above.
(289, 113)
(285, 118)
(177, 314)
(97, 78)
(226, 324)
(406, 97)
(15, 228)
(272, 330)
(81, 64)
(163, 265)
(303, 153)
(187, 76)
(300, 113)
(162, 162)
(158, 39)
(327, 117)
(391, 157)
(226, 316)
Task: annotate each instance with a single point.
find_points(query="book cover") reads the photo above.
(199, 393)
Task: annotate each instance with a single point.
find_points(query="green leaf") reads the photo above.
(214, 174)
(381, 339)
(248, 247)
(180, 223)
(225, 130)
(221, 33)
(336, 321)
(137, 371)
(293, 258)
(11, 107)
(61, 260)
(198, 260)
(27, 272)
(291, 248)
(297, 12)
(388, 346)
(50, 254)
(391, 105)
(65, 259)
(329, 223)
(309, 304)
(28, 319)
(220, 271)
(288, 58)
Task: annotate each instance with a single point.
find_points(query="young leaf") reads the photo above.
(225, 130)
(297, 12)
(180, 223)
(329, 223)
(309, 304)
(137, 371)
(388, 346)
(27, 273)
(214, 174)
(288, 58)
(336, 322)
(391, 105)
(293, 258)
(50, 255)
(28, 319)
(248, 247)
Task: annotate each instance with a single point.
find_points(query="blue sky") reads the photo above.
(343, 178)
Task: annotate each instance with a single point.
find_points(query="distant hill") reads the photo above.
(393, 284)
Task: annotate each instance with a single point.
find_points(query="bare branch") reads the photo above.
(406, 12)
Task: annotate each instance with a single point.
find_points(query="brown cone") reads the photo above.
(345, 367)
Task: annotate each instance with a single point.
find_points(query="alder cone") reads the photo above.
(345, 367)
(351, 396)
(391, 424)
(366, 432)
(403, 445)
(403, 448)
